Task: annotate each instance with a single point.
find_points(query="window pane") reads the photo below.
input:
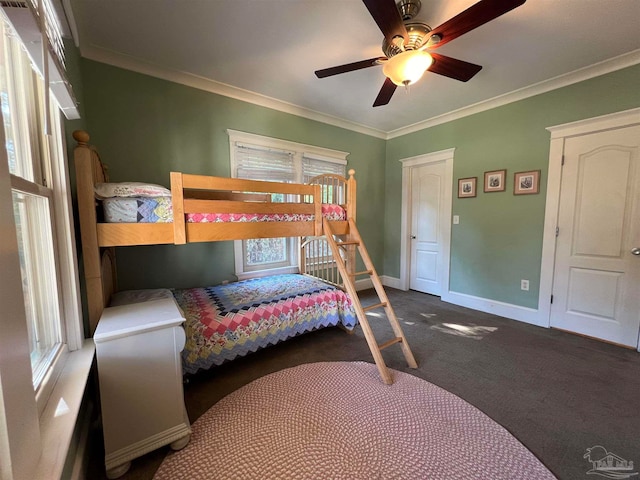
(17, 82)
(37, 264)
(264, 252)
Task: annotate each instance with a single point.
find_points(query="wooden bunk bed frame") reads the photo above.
(204, 194)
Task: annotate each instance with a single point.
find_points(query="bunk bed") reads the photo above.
(207, 208)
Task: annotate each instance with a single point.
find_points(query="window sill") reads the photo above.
(59, 417)
(266, 273)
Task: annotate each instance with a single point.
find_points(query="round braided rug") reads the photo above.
(337, 420)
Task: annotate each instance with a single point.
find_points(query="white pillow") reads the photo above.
(130, 189)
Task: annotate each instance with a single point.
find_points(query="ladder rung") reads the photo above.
(364, 272)
(372, 307)
(348, 242)
(384, 345)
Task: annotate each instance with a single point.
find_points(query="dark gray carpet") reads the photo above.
(559, 394)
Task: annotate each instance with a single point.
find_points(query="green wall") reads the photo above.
(146, 127)
(499, 239)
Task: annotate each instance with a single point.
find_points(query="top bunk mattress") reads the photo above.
(159, 210)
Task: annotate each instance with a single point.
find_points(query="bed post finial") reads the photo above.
(351, 172)
(81, 137)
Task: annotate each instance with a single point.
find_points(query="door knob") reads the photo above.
(413, 237)
(635, 251)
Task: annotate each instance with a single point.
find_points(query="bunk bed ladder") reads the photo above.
(349, 276)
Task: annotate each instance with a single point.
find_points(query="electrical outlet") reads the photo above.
(524, 285)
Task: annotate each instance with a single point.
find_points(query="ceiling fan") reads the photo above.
(406, 43)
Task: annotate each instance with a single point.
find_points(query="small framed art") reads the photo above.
(525, 183)
(467, 187)
(494, 181)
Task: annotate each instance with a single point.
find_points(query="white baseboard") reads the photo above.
(363, 284)
(502, 309)
(391, 282)
(386, 280)
(507, 310)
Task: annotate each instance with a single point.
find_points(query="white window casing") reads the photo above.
(257, 157)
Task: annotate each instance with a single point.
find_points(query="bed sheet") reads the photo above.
(228, 321)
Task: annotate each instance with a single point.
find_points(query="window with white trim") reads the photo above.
(256, 157)
(42, 212)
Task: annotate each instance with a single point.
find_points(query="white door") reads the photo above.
(427, 198)
(596, 289)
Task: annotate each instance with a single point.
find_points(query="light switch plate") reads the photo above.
(456, 219)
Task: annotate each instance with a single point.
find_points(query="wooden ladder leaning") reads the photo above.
(348, 278)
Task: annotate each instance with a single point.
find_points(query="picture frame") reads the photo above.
(467, 187)
(494, 181)
(526, 183)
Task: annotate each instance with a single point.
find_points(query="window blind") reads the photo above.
(255, 163)
(26, 20)
(53, 31)
(312, 167)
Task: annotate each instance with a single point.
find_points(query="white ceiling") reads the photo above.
(266, 51)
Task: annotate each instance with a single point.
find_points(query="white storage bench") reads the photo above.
(140, 375)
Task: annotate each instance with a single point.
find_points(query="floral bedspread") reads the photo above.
(229, 321)
(329, 211)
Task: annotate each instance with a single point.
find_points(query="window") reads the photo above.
(42, 339)
(256, 157)
(41, 207)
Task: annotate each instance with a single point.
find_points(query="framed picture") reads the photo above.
(467, 187)
(525, 183)
(494, 181)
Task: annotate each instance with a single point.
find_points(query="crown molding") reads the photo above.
(625, 118)
(582, 74)
(134, 64)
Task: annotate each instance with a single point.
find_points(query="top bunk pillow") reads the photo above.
(130, 189)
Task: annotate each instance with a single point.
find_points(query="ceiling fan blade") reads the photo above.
(386, 92)
(388, 18)
(349, 67)
(453, 68)
(482, 12)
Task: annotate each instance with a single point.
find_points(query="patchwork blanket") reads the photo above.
(228, 321)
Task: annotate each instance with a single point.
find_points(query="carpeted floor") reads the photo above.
(557, 393)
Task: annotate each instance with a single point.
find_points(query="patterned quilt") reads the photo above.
(229, 321)
(329, 211)
(137, 210)
(160, 210)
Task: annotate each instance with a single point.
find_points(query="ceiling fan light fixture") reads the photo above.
(407, 67)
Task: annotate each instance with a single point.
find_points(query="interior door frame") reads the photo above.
(559, 134)
(408, 164)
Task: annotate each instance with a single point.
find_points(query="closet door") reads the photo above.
(427, 200)
(597, 269)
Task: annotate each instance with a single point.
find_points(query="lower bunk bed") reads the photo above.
(225, 322)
